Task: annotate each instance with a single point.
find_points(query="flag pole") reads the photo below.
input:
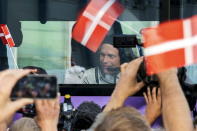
(13, 57)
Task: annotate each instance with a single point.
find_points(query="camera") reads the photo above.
(72, 119)
(150, 81)
(130, 41)
(28, 111)
(35, 86)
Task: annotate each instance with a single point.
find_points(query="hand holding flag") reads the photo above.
(94, 23)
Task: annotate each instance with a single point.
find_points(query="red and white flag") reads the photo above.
(6, 36)
(171, 44)
(95, 21)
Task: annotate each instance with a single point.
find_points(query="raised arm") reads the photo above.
(126, 86)
(175, 109)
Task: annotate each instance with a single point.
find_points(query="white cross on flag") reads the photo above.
(171, 44)
(6, 36)
(95, 21)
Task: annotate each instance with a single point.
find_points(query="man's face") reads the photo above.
(109, 58)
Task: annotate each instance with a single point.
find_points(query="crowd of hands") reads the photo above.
(47, 110)
(167, 100)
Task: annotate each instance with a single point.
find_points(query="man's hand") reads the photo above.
(74, 75)
(47, 114)
(127, 84)
(153, 101)
(8, 79)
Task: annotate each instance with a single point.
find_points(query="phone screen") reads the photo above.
(35, 86)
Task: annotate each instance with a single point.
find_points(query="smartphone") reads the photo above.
(35, 86)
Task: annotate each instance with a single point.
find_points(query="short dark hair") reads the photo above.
(39, 69)
(121, 51)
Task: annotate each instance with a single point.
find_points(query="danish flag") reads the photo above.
(95, 21)
(171, 44)
(6, 36)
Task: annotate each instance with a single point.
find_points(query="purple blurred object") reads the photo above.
(137, 102)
